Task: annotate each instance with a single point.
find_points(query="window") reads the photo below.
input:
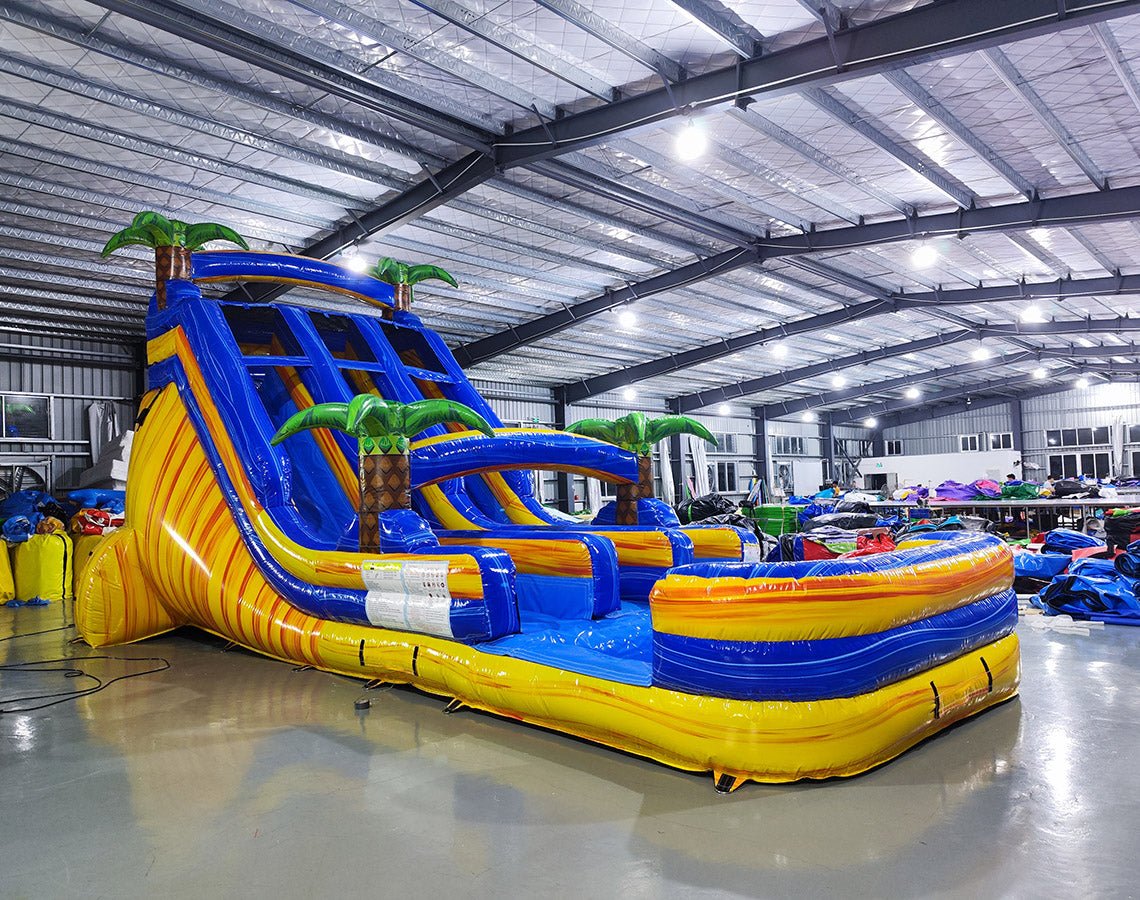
(894, 448)
(786, 445)
(1134, 434)
(1073, 465)
(1081, 437)
(26, 416)
(1001, 441)
(726, 477)
(1135, 462)
(725, 442)
(967, 443)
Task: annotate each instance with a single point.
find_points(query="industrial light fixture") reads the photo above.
(1082, 382)
(691, 141)
(1032, 313)
(779, 351)
(1040, 373)
(808, 416)
(627, 318)
(837, 381)
(629, 394)
(870, 422)
(924, 256)
(980, 353)
(723, 409)
(354, 262)
(912, 393)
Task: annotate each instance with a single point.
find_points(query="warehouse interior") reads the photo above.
(883, 252)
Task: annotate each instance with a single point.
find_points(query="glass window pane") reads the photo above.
(1102, 465)
(26, 416)
(1087, 464)
(1069, 437)
(1100, 435)
(1134, 434)
(1056, 466)
(1069, 469)
(1084, 436)
(1053, 438)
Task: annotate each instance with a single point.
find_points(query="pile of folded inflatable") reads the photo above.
(45, 540)
(1076, 574)
(984, 489)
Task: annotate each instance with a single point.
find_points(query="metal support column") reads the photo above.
(565, 480)
(760, 447)
(827, 447)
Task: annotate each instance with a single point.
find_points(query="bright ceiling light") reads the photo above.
(723, 410)
(1032, 313)
(924, 256)
(870, 422)
(691, 142)
(913, 393)
(629, 394)
(808, 416)
(779, 351)
(355, 262)
(1039, 234)
(1082, 382)
(910, 357)
(627, 318)
(980, 353)
(1040, 373)
(837, 381)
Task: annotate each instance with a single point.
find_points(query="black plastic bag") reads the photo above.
(851, 506)
(846, 521)
(1067, 487)
(700, 508)
(1118, 530)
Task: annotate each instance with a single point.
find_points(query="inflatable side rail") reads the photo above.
(454, 454)
(283, 268)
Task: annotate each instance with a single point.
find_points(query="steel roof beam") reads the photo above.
(916, 163)
(725, 24)
(1118, 61)
(701, 399)
(874, 47)
(856, 392)
(909, 87)
(1020, 87)
(625, 43)
(744, 114)
(294, 56)
(1118, 203)
(510, 41)
(72, 330)
(904, 412)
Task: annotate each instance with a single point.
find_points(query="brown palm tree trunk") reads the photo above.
(385, 483)
(629, 494)
(169, 262)
(402, 297)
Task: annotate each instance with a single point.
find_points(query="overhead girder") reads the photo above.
(887, 43)
(747, 387)
(856, 392)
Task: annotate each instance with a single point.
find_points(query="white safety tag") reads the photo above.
(409, 596)
(751, 553)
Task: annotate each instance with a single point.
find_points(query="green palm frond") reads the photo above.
(631, 431)
(390, 271)
(425, 413)
(372, 416)
(419, 273)
(323, 415)
(666, 426)
(602, 429)
(160, 228)
(202, 233)
(126, 237)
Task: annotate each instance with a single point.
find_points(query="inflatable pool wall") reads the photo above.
(672, 643)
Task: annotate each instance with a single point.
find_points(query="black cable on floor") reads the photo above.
(35, 667)
(25, 634)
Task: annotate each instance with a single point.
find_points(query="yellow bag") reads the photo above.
(7, 586)
(42, 566)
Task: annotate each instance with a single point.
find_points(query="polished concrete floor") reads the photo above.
(232, 774)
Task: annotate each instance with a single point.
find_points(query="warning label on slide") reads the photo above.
(408, 595)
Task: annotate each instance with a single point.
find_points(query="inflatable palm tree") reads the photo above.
(639, 434)
(403, 278)
(172, 241)
(382, 429)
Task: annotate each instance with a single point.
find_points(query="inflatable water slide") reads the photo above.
(675, 643)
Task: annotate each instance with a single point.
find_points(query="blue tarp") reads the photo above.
(1092, 589)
